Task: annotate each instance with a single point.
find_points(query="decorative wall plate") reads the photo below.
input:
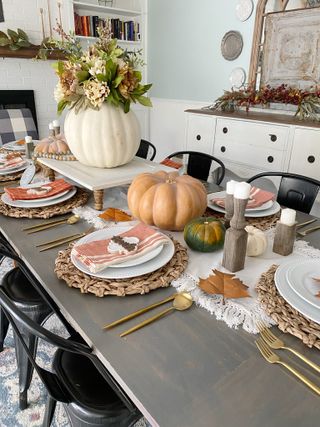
(244, 9)
(237, 77)
(231, 45)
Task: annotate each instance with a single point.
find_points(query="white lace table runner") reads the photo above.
(235, 312)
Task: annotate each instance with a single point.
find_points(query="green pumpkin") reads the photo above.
(204, 234)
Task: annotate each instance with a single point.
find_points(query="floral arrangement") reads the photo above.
(307, 101)
(103, 73)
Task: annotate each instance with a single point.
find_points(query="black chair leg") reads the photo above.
(50, 408)
(24, 366)
(4, 325)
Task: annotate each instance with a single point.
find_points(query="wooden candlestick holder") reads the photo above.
(229, 208)
(235, 244)
(284, 238)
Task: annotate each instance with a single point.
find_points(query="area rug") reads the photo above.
(10, 414)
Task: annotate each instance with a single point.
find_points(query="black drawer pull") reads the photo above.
(270, 159)
(273, 137)
(198, 137)
(311, 159)
(225, 130)
(223, 148)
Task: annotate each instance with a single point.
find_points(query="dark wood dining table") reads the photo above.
(187, 370)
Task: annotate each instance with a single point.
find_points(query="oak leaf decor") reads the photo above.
(224, 284)
(116, 215)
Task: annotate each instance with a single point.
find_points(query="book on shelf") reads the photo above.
(121, 30)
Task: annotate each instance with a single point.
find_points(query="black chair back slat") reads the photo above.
(144, 148)
(199, 165)
(295, 191)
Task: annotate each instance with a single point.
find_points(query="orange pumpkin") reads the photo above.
(166, 200)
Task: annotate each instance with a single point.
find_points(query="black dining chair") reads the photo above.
(295, 191)
(146, 149)
(79, 381)
(199, 165)
(32, 300)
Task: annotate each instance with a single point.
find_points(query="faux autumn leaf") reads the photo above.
(114, 214)
(317, 295)
(224, 284)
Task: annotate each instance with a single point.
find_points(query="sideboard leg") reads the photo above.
(98, 199)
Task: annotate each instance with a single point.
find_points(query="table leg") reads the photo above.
(49, 173)
(98, 199)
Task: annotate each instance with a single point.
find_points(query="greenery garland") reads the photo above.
(307, 101)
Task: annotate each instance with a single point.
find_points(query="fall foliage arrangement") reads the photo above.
(224, 284)
(103, 73)
(307, 101)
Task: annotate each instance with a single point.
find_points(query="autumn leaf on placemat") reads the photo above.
(224, 284)
(115, 214)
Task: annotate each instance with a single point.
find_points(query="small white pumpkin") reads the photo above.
(257, 241)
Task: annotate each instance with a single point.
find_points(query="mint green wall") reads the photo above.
(184, 38)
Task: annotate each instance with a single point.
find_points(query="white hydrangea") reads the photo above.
(58, 93)
(96, 92)
(98, 67)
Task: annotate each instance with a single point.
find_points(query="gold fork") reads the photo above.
(309, 230)
(276, 343)
(271, 357)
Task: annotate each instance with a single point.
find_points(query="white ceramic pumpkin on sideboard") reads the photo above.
(103, 138)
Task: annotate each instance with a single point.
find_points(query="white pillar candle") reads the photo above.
(51, 126)
(288, 216)
(55, 123)
(231, 186)
(242, 190)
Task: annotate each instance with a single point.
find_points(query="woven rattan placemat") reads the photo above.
(79, 199)
(160, 278)
(288, 319)
(263, 223)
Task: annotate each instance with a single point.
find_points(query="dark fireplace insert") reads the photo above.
(19, 99)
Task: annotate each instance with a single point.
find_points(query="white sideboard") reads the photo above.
(250, 143)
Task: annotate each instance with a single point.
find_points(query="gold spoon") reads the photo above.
(71, 220)
(181, 302)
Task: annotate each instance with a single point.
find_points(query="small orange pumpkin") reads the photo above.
(166, 200)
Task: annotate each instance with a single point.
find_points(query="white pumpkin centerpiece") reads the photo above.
(103, 138)
(257, 241)
(98, 86)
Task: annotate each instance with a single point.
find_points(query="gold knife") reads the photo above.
(61, 241)
(138, 312)
(302, 224)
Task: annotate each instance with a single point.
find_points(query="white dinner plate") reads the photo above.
(267, 209)
(244, 9)
(14, 169)
(300, 277)
(121, 272)
(237, 77)
(40, 203)
(291, 296)
(13, 146)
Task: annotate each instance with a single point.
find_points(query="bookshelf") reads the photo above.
(126, 23)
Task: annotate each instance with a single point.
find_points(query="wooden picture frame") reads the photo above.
(264, 7)
(1, 12)
(291, 48)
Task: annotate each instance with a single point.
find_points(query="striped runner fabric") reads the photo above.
(55, 187)
(171, 163)
(96, 255)
(258, 197)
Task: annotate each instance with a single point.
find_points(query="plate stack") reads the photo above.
(147, 262)
(298, 282)
(23, 197)
(268, 208)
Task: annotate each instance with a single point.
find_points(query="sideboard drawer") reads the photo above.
(257, 157)
(305, 157)
(200, 133)
(257, 134)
